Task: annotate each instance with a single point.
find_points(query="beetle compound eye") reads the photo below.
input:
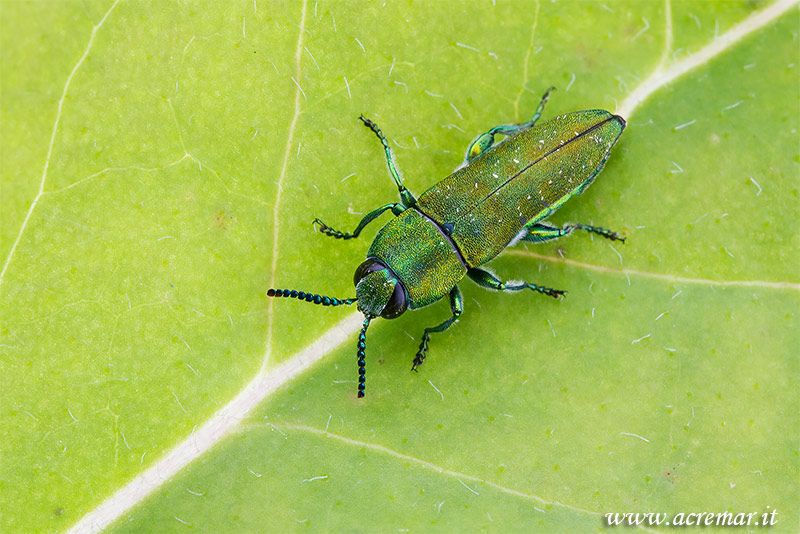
(397, 304)
(369, 266)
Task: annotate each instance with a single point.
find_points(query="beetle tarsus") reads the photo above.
(555, 293)
(608, 234)
(456, 308)
(396, 208)
(327, 230)
(419, 359)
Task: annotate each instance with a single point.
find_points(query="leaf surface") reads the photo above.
(163, 162)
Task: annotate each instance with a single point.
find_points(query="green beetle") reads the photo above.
(500, 195)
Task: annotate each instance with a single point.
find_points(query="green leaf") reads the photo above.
(162, 164)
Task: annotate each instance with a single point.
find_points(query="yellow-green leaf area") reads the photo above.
(162, 164)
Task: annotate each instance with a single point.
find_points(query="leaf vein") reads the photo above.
(39, 194)
(658, 276)
(275, 209)
(460, 476)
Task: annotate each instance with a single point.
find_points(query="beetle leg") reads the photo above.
(396, 208)
(479, 146)
(457, 308)
(489, 281)
(608, 234)
(486, 140)
(405, 195)
(540, 232)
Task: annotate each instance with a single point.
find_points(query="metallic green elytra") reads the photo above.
(501, 194)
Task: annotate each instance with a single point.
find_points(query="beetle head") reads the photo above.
(378, 290)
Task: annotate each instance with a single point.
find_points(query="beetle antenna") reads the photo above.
(362, 345)
(310, 297)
